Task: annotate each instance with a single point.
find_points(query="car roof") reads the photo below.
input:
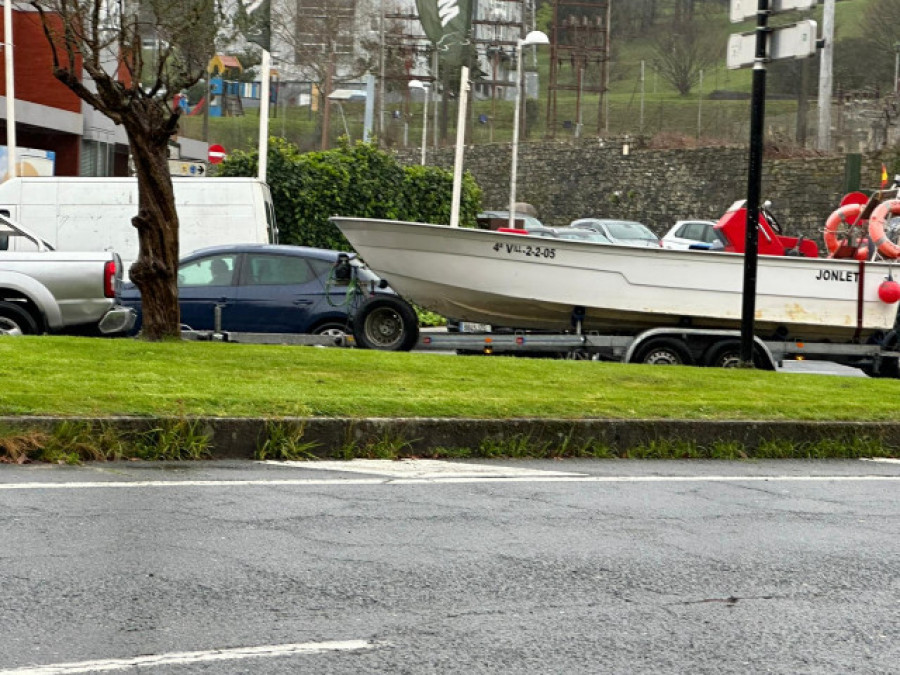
(275, 249)
(604, 220)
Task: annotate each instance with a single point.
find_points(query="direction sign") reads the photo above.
(742, 10)
(179, 167)
(794, 41)
(216, 154)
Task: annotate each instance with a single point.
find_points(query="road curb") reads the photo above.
(240, 438)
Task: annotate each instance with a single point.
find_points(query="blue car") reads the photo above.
(264, 288)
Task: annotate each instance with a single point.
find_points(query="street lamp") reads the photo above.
(535, 37)
(425, 86)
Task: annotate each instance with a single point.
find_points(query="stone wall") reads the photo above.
(568, 180)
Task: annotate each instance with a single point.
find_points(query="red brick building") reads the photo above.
(50, 117)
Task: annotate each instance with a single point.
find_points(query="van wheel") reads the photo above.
(386, 323)
(663, 352)
(16, 321)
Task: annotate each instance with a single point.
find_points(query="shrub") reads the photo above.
(356, 180)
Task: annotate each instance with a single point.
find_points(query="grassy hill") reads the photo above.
(651, 108)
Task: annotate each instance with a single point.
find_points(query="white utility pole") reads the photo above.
(825, 77)
(460, 146)
(266, 70)
(10, 89)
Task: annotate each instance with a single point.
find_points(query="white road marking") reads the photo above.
(423, 468)
(885, 460)
(179, 658)
(306, 482)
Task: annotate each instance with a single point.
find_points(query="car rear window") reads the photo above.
(624, 229)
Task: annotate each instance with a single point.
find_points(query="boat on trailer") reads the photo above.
(506, 279)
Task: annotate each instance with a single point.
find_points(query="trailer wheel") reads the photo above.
(663, 352)
(386, 323)
(723, 355)
(889, 367)
(727, 354)
(16, 321)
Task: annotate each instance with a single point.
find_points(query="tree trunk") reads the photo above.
(155, 272)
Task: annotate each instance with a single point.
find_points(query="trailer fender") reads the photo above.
(699, 341)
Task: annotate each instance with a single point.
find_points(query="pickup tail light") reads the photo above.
(109, 279)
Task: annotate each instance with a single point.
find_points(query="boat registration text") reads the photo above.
(526, 250)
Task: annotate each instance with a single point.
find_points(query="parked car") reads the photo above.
(59, 292)
(623, 232)
(690, 233)
(265, 288)
(492, 220)
(581, 235)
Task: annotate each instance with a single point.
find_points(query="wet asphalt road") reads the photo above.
(513, 567)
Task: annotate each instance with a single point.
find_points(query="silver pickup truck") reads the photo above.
(59, 292)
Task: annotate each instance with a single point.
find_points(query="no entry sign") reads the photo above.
(216, 154)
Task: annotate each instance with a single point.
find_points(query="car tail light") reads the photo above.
(109, 279)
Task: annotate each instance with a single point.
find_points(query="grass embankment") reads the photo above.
(89, 378)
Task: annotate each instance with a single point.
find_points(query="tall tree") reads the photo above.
(685, 48)
(128, 59)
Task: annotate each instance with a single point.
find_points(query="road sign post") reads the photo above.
(756, 49)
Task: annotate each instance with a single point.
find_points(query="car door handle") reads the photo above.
(303, 302)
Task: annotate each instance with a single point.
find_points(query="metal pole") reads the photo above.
(825, 77)
(754, 183)
(641, 126)
(460, 145)
(515, 137)
(897, 68)
(10, 89)
(380, 125)
(425, 123)
(700, 107)
(266, 68)
(434, 74)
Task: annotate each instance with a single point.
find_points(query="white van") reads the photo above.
(94, 214)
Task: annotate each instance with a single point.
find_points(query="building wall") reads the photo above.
(33, 64)
(565, 181)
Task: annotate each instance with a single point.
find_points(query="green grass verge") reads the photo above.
(89, 377)
(178, 381)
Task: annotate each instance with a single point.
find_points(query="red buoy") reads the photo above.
(889, 292)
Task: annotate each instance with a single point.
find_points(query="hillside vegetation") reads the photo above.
(715, 109)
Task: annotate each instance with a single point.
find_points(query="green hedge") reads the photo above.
(356, 180)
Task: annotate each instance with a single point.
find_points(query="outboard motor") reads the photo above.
(342, 272)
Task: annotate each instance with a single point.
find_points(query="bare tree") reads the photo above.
(684, 49)
(321, 36)
(134, 86)
(881, 25)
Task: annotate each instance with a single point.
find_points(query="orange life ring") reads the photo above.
(845, 215)
(885, 246)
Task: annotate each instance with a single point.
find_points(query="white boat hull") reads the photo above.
(534, 282)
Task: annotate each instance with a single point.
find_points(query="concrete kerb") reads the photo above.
(239, 438)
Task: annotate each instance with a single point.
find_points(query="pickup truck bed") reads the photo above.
(61, 292)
